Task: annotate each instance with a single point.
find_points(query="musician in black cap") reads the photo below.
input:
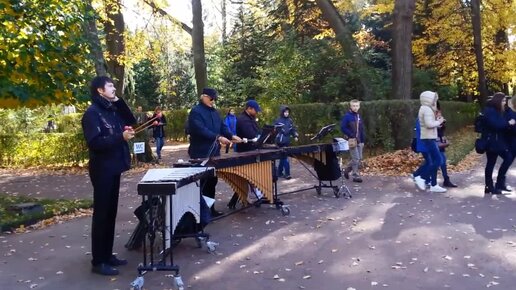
(207, 132)
(247, 127)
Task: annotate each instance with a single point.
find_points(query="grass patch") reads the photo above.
(461, 144)
(10, 219)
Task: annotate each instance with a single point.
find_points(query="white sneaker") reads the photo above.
(437, 188)
(420, 182)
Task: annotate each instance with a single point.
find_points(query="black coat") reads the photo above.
(511, 133)
(103, 124)
(496, 128)
(158, 131)
(247, 127)
(204, 126)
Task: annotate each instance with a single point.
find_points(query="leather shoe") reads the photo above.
(114, 261)
(216, 213)
(492, 190)
(104, 269)
(448, 183)
(357, 179)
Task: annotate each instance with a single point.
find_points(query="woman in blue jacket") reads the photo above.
(231, 123)
(495, 132)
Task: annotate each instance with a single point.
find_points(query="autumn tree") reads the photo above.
(42, 49)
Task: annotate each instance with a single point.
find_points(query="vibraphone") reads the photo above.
(171, 196)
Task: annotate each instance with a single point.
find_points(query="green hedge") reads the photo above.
(42, 149)
(389, 125)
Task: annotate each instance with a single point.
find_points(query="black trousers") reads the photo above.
(105, 204)
(208, 186)
(502, 171)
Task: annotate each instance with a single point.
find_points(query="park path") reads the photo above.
(388, 236)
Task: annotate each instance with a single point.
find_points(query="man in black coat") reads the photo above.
(105, 129)
(247, 128)
(207, 132)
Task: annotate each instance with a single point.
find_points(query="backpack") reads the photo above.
(417, 131)
(480, 123)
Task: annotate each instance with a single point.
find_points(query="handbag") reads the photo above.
(443, 143)
(352, 143)
(413, 145)
(481, 145)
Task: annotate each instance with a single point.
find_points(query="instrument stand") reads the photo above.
(167, 215)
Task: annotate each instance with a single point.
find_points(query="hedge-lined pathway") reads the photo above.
(388, 236)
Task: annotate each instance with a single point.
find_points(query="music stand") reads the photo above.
(323, 132)
(268, 135)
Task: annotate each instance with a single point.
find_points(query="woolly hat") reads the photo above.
(210, 92)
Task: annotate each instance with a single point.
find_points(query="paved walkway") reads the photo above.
(388, 236)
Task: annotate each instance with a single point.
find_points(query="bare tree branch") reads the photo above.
(164, 13)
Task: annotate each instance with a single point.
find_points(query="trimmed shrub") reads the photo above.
(42, 149)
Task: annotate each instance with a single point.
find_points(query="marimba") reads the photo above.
(257, 167)
(171, 197)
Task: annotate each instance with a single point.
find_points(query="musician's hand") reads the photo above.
(236, 139)
(155, 123)
(224, 141)
(512, 122)
(128, 134)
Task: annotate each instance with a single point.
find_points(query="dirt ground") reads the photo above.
(388, 236)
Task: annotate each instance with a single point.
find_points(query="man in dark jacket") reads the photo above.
(246, 128)
(207, 131)
(353, 128)
(285, 132)
(104, 126)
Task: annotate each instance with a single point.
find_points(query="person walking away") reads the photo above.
(105, 126)
(352, 126)
(495, 131)
(158, 130)
(429, 123)
(285, 133)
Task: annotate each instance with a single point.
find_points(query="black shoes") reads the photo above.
(357, 179)
(491, 190)
(448, 183)
(287, 177)
(215, 213)
(105, 269)
(115, 262)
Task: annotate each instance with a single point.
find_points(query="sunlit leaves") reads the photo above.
(42, 52)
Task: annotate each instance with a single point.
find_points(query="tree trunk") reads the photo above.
(477, 45)
(201, 78)
(224, 23)
(92, 35)
(115, 43)
(344, 37)
(402, 49)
